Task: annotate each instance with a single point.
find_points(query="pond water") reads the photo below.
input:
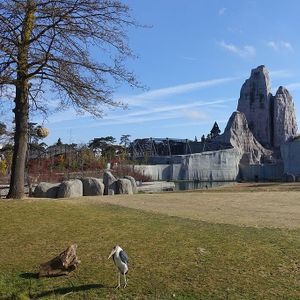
(194, 185)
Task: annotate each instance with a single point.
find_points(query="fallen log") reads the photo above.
(63, 264)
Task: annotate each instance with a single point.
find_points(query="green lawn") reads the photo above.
(170, 257)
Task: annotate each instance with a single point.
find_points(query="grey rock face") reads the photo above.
(288, 177)
(239, 136)
(133, 184)
(271, 119)
(70, 188)
(285, 124)
(291, 158)
(108, 180)
(46, 190)
(92, 186)
(123, 186)
(254, 102)
(221, 165)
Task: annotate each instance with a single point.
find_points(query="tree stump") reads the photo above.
(62, 264)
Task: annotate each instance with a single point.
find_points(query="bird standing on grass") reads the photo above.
(120, 259)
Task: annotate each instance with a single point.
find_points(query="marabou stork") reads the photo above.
(120, 259)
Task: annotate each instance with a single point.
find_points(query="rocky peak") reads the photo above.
(239, 136)
(254, 102)
(284, 117)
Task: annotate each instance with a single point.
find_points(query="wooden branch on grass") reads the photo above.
(63, 264)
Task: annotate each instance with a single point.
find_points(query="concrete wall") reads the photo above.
(290, 153)
(222, 165)
(261, 172)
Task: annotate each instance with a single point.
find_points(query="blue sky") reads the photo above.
(193, 57)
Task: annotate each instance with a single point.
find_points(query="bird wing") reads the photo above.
(124, 257)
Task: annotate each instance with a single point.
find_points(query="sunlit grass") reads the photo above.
(170, 257)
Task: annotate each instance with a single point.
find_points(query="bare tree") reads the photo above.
(47, 44)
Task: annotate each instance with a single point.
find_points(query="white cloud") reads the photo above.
(244, 52)
(280, 73)
(272, 45)
(279, 45)
(174, 90)
(156, 114)
(195, 115)
(222, 11)
(188, 124)
(293, 86)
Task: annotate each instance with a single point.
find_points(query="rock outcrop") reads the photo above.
(70, 188)
(254, 102)
(239, 136)
(285, 124)
(271, 119)
(92, 186)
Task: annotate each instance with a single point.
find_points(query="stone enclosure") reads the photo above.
(256, 144)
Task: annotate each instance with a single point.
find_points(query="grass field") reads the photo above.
(173, 255)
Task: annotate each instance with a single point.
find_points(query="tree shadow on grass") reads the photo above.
(62, 290)
(67, 290)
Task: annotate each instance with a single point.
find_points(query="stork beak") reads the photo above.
(112, 253)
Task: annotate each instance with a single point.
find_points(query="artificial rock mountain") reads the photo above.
(239, 136)
(271, 119)
(262, 122)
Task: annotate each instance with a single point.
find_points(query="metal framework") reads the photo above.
(152, 147)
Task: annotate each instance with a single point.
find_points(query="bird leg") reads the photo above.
(125, 281)
(119, 280)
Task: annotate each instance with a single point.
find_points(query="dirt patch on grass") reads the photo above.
(230, 205)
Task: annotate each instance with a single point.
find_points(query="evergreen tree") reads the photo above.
(215, 131)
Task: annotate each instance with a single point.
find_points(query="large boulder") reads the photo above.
(284, 120)
(112, 188)
(92, 186)
(46, 190)
(70, 188)
(133, 184)
(109, 183)
(123, 186)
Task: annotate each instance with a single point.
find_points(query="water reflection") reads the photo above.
(194, 185)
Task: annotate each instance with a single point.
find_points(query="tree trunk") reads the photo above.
(21, 112)
(63, 264)
(21, 109)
